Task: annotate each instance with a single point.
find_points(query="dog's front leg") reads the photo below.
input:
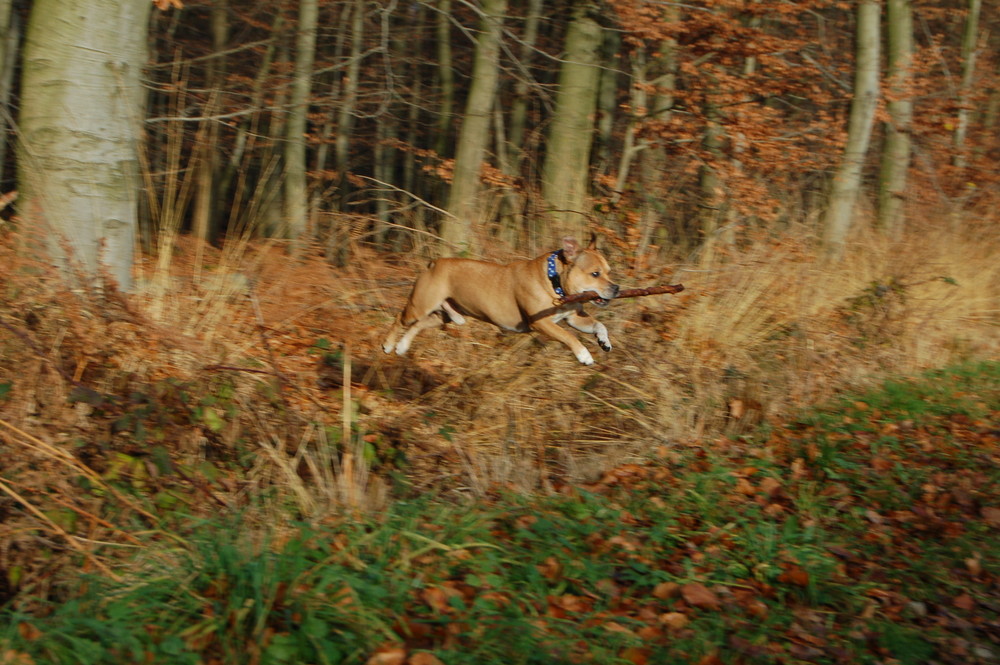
(588, 324)
(552, 329)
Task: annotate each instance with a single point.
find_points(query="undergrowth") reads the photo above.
(862, 532)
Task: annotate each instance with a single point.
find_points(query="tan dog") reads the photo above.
(519, 296)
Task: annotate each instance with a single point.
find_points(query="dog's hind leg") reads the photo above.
(452, 313)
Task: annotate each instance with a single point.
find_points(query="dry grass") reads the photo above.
(758, 333)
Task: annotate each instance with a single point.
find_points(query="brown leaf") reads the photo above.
(794, 574)
(697, 595)
(393, 656)
(770, 486)
(424, 658)
(28, 632)
(437, 597)
(991, 515)
(550, 569)
(964, 602)
(665, 590)
(881, 464)
(674, 620)
(636, 655)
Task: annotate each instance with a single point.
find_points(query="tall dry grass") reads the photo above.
(761, 330)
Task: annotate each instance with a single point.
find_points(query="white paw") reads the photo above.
(387, 347)
(602, 337)
(584, 357)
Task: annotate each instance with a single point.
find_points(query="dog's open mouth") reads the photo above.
(600, 302)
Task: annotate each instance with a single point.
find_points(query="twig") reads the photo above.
(626, 293)
(37, 444)
(60, 531)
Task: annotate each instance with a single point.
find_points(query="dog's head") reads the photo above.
(588, 270)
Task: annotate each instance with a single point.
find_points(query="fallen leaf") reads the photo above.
(770, 486)
(424, 658)
(794, 574)
(665, 590)
(437, 597)
(395, 656)
(550, 569)
(881, 464)
(964, 602)
(991, 515)
(697, 595)
(674, 620)
(635, 655)
(28, 632)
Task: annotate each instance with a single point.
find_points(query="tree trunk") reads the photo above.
(204, 221)
(349, 99)
(896, 151)
(519, 107)
(847, 180)
(567, 161)
(446, 77)
(81, 118)
(296, 194)
(969, 39)
(10, 36)
(463, 199)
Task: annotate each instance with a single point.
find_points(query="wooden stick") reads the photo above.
(624, 293)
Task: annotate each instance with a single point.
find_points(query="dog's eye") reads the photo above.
(596, 273)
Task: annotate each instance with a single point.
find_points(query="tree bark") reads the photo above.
(296, 194)
(519, 107)
(566, 170)
(896, 151)
(81, 116)
(446, 77)
(847, 180)
(969, 39)
(463, 198)
(10, 36)
(349, 99)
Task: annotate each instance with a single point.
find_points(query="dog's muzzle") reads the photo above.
(603, 302)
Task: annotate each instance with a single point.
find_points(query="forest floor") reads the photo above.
(195, 452)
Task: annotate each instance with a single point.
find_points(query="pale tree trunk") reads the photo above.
(296, 194)
(247, 133)
(969, 42)
(349, 99)
(446, 77)
(660, 73)
(607, 99)
(519, 107)
(510, 144)
(712, 197)
(10, 29)
(203, 214)
(463, 198)
(81, 118)
(566, 170)
(896, 151)
(847, 180)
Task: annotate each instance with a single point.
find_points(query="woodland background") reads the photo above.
(214, 209)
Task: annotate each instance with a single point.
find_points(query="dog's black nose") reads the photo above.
(614, 290)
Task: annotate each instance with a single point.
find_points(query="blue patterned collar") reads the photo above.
(553, 272)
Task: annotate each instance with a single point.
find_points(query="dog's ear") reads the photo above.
(570, 248)
(593, 241)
